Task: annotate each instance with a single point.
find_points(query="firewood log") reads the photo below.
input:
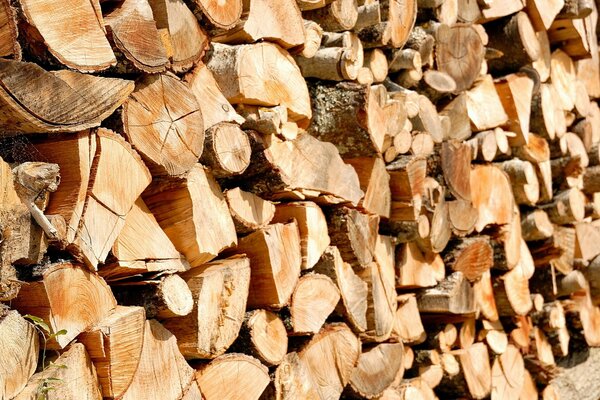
(471, 256)
(77, 379)
(360, 111)
(369, 378)
(213, 104)
(497, 9)
(167, 297)
(562, 74)
(462, 216)
(142, 246)
(102, 178)
(283, 168)
(160, 362)
(508, 374)
(381, 302)
(115, 347)
(279, 22)
(398, 19)
(312, 227)
(475, 377)
(330, 357)
(313, 300)
(249, 212)
(407, 323)
(524, 181)
(456, 111)
(463, 69)
(488, 184)
(59, 300)
(10, 46)
(427, 120)
(453, 295)
(313, 33)
(202, 205)
(567, 207)
(226, 150)
(353, 290)
(262, 335)
(222, 15)
(293, 380)
(210, 328)
(127, 25)
(417, 268)
(180, 33)
(88, 50)
(20, 345)
(374, 182)
(407, 175)
(536, 226)
(484, 296)
(542, 14)
(162, 120)
(484, 92)
(28, 112)
(515, 92)
(240, 78)
(275, 255)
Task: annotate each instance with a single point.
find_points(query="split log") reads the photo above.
(456, 111)
(85, 99)
(275, 255)
(563, 76)
(471, 256)
(293, 166)
(77, 42)
(543, 13)
(222, 15)
(9, 32)
(375, 183)
(142, 246)
(516, 40)
(536, 226)
(586, 235)
(279, 22)
(313, 300)
(211, 328)
(312, 227)
(242, 79)
(77, 379)
(293, 380)
(226, 150)
(398, 19)
(126, 25)
(213, 104)
(416, 268)
(115, 347)
(567, 207)
(427, 120)
(525, 184)
(461, 65)
(484, 107)
(355, 235)
(454, 295)
(160, 362)
(475, 377)
(180, 33)
(462, 216)
(515, 92)
(508, 373)
(167, 297)
(407, 177)
(547, 118)
(162, 120)
(377, 369)
(206, 227)
(68, 297)
(488, 185)
(512, 293)
(264, 336)
(330, 357)
(484, 297)
(381, 302)
(363, 112)
(102, 178)
(407, 323)
(313, 33)
(353, 290)
(20, 345)
(249, 212)
(233, 376)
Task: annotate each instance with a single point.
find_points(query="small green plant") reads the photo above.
(46, 384)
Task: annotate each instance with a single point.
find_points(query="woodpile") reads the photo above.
(299, 199)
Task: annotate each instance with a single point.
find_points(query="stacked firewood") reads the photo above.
(299, 199)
